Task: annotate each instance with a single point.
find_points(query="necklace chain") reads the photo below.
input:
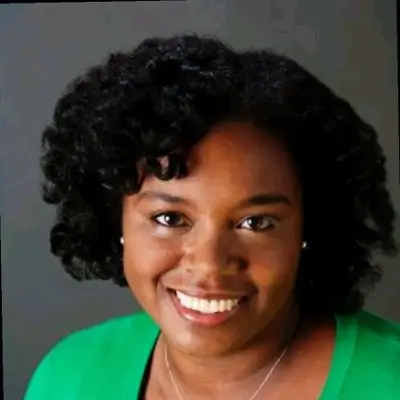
(270, 372)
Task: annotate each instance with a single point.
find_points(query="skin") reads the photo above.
(216, 241)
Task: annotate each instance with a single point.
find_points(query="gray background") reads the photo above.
(351, 45)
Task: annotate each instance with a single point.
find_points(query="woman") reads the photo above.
(241, 201)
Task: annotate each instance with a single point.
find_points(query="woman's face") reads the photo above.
(230, 230)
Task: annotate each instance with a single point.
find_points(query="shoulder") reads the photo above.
(109, 337)
(378, 340)
(375, 362)
(374, 331)
(91, 354)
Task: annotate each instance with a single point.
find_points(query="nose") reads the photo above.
(211, 254)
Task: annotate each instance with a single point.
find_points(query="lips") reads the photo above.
(201, 294)
(205, 308)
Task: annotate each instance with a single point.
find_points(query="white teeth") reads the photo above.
(214, 306)
(206, 306)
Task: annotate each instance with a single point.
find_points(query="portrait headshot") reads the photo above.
(210, 202)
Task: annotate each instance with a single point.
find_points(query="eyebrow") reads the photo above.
(265, 199)
(257, 200)
(148, 194)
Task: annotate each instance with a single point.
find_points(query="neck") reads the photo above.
(242, 370)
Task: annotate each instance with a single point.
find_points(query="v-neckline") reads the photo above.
(345, 338)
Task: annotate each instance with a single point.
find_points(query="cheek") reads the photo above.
(146, 260)
(159, 256)
(274, 270)
(144, 270)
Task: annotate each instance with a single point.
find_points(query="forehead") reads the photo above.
(236, 157)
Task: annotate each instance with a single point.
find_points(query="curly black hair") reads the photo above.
(162, 98)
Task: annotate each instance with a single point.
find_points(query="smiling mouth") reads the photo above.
(209, 305)
(206, 310)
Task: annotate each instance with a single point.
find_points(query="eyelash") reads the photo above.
(272, 221)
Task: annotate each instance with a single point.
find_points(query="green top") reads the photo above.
(108, 361)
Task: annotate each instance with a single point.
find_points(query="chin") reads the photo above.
(205, 344)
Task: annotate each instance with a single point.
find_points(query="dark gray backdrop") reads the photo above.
(351, 45)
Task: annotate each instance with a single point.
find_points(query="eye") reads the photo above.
(169, 219)
(258, 223)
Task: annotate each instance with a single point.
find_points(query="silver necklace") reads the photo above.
(178, 392)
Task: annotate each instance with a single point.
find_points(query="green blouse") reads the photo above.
(108, 361)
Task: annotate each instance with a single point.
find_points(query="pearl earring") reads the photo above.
(304, 246)
(122, 240)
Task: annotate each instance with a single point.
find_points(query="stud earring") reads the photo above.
(121, 240)
(304, 246)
